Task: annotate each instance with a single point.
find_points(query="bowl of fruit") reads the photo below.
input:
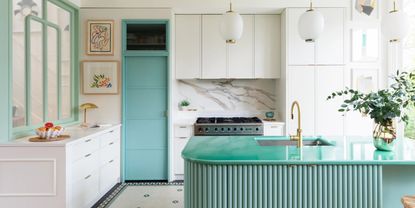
(49, 130)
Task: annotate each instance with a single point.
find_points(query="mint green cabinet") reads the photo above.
(282, 186)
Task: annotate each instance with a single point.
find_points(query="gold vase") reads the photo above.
(384, 136)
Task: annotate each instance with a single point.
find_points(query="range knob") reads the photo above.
(257, 129)
(242, 129)
(200, 130)
(216, 129)
(206, 129)
(222, 129)
(229, 129)
(234, 129)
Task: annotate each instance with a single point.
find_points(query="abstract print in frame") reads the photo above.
(100, 77)
(100, 37)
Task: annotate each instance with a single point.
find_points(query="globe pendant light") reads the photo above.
(311, 24)
(231, 26)
(395, 25)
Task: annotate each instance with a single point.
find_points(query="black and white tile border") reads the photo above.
(111, 196)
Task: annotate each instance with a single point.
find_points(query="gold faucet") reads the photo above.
(298, 137)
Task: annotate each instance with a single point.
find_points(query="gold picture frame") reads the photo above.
(100, 77)
(100, 37)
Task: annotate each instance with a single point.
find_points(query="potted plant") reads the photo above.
(184, 105)
(383, 106)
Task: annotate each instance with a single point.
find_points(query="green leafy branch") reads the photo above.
(384, 105)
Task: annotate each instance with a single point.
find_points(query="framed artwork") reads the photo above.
(100, 77)
(365, 10)
(100, 37)
(365, 79)
(365, 45)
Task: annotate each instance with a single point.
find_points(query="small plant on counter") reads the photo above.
(383, 106)
(184, 104)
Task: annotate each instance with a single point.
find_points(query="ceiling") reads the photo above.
(214, 6)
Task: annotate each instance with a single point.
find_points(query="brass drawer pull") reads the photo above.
(88, 140)
(183, 127)
(111, 161)
(88, 176)
(111, 143)
(87, 155)
(112, 131)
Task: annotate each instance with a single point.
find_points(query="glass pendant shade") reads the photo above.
(231, 26)
(395, 25)
(311, 25)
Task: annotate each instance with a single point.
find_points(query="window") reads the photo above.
(409, 60)
(44, 62)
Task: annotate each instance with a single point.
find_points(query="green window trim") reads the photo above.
(74, 68)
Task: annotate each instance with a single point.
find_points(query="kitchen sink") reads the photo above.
(286, 141)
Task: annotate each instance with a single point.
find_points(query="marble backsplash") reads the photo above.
(228, 95)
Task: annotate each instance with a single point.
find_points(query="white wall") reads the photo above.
(109, 110)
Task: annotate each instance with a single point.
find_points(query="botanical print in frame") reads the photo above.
(100, 37)
(100, 77)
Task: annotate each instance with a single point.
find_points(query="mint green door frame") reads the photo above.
(5, 69)
(126, 53)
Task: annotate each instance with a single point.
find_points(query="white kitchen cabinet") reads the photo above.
(201, 52)
(73, 173)
(267, 46)
(328, 48)
(301, 84)
(330, 45)
(273, 128)
(241, 54)
(329, 121)
(214, 49)
(299, 51)
(188, 46)
(182, 134)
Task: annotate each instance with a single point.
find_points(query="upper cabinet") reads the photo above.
(241, 54)
(188, 47)
(267, 46)
(146, 36)
(214, 50)
(201, 52)
(328, 48)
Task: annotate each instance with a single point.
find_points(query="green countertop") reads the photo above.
(246, 150)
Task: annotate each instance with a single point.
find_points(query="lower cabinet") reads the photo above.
(94, 169)
(73, 173)
(273, 128)
(281, 186)
(182, 134)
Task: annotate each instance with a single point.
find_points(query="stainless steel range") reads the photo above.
(224, 126)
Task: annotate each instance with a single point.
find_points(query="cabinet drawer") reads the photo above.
(183, 131)
(273, 129)
(85, 191)
(109, 137)
(109, 175)
(82, 148)
(85, 166)
(110, 152)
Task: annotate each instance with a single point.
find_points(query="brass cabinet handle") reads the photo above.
(88, 176)
(87, 155)
(111, 143)
(111, 161)
(111, 131)
(88, 140)
(183, 127)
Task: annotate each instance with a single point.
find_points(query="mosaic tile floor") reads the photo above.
(145, 195)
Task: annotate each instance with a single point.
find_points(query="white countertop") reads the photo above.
(76, 133)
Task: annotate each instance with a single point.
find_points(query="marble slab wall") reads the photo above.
(228, 95)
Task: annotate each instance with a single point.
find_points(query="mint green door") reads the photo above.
(145, 97)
